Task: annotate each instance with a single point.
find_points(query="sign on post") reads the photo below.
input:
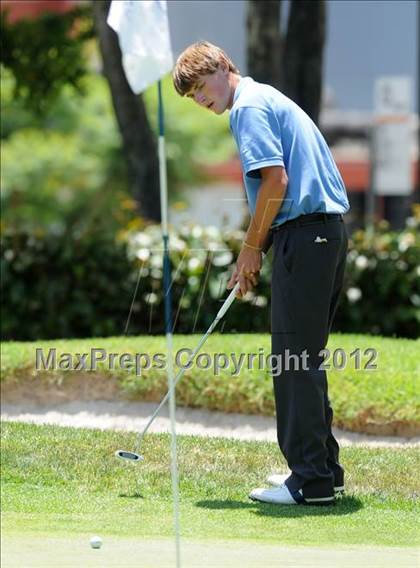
(391, 161)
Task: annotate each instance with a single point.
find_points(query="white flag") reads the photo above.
(143, 33)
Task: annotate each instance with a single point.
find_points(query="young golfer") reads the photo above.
(296, 199)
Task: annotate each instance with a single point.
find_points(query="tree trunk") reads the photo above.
(264, 42)
(138, 140)
(303, 54)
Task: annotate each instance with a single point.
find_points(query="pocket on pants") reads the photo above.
(286, 251)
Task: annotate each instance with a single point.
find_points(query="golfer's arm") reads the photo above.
(269, 201)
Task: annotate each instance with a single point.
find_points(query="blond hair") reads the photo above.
(201, 58)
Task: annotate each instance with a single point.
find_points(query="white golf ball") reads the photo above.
(96, 542)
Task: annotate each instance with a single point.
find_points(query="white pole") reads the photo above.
(168, 324)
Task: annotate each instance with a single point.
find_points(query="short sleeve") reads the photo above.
(258, 139)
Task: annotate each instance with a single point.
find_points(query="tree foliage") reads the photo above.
(45, 54)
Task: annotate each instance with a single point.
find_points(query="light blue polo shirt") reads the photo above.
(271, 130)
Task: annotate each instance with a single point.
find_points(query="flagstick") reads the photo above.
(168, 319)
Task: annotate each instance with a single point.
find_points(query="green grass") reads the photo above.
(362, 399)
(62, 481)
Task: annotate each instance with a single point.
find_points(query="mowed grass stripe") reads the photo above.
(59, 480)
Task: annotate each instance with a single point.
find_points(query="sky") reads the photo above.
(365, 39)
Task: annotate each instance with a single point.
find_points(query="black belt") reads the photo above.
(310, 219)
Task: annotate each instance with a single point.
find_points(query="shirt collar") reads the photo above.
(244, 81)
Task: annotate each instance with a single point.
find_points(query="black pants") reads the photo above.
(309, 257)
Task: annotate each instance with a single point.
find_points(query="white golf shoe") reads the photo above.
(276, 495)
(277, 479)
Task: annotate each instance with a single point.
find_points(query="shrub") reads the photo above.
(64, 286)
(82, 283)
(382, 287)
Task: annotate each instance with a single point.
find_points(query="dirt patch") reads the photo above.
(50, 388)
(53, 389)
(367, 422)
(405, 429)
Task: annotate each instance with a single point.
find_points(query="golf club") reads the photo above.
(134, 456)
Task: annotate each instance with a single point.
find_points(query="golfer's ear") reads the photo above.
(275, 174)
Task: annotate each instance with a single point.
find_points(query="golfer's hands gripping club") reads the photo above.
(248, 266)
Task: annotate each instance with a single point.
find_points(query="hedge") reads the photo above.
(83, 283)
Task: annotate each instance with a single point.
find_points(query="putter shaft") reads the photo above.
(226, 305)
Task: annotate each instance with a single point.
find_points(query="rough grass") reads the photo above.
(384, 400)
(64, 481)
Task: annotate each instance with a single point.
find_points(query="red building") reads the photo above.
(19, 9)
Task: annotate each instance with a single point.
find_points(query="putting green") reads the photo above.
(35, 552)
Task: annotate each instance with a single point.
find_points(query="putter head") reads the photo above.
(131, 456)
